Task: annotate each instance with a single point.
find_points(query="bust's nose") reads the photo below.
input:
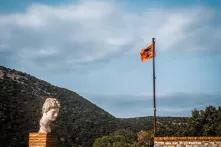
(56, 114)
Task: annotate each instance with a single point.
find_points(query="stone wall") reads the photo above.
(187, 141)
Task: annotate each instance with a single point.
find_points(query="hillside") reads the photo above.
(21, 99)
(79, 121)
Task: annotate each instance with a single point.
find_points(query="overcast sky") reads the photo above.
(92, 47)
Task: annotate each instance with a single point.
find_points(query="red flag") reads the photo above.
(147, 53)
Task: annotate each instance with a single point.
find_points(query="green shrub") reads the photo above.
(120, 138)
(145, 138)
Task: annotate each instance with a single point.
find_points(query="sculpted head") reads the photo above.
(51, 108)
(50, 112)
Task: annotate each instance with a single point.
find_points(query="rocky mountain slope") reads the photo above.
(21, 98)
(79, 121)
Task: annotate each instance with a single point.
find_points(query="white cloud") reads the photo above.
(92, 31)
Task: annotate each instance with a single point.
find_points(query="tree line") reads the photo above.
(205, 122)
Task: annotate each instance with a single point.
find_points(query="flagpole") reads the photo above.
(154, 90)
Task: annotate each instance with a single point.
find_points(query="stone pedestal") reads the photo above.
(42, 140)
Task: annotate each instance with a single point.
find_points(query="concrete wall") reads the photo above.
(187, 141)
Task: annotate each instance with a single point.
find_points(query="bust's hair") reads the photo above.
(50, 103)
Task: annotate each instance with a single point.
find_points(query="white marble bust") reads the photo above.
(50, 112)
